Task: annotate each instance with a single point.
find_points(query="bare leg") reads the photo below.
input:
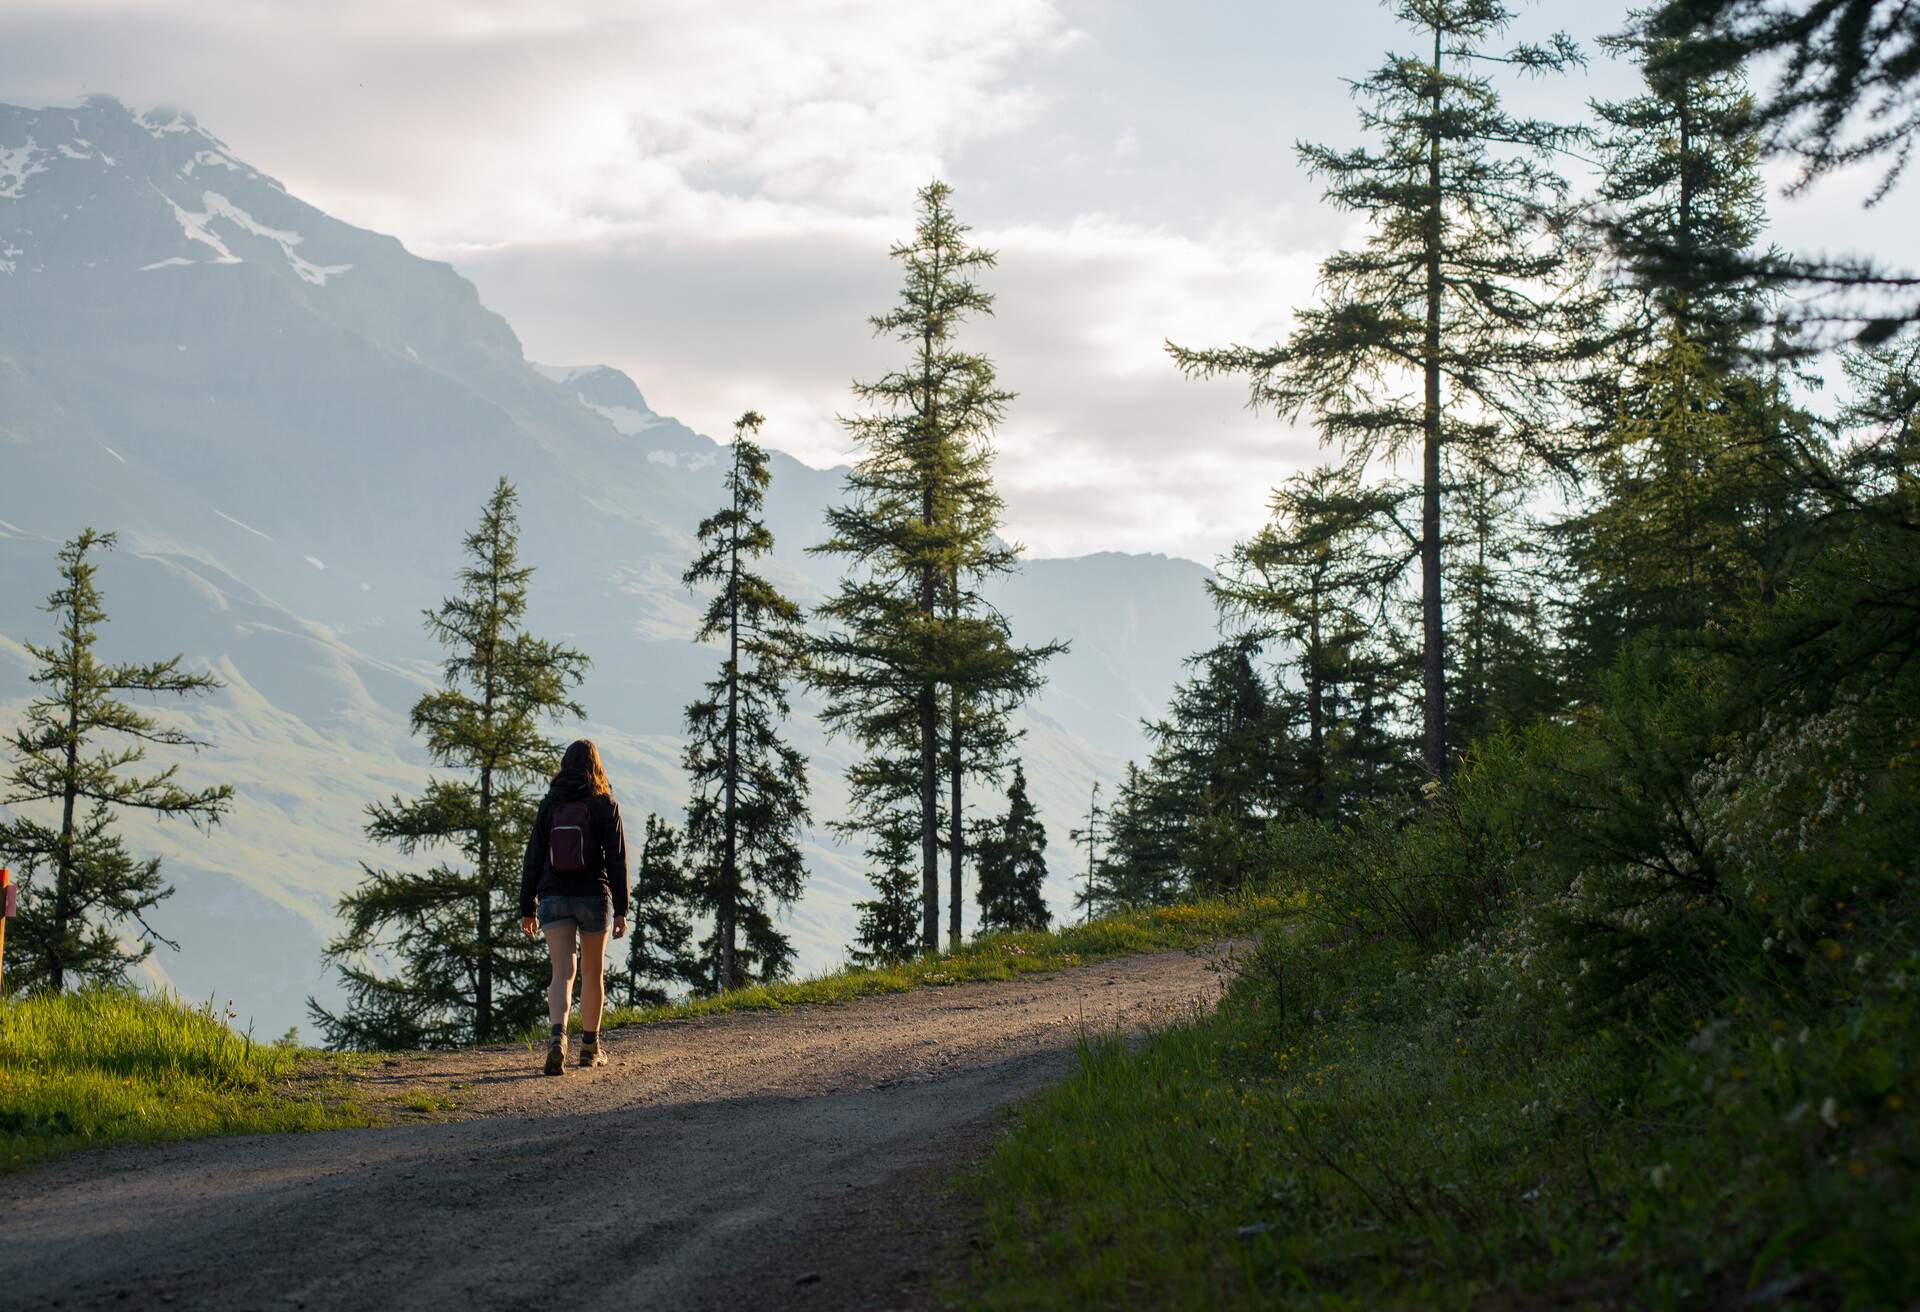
(560, 988)
(593, 974)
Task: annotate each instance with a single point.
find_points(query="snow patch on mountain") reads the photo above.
(316, 274)
(17, 164)
(196, 225)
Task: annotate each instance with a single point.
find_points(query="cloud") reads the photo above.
(1106, 447)
(470, 125)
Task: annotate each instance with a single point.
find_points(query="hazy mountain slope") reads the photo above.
(292, 422)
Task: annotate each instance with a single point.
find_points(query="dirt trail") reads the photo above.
(779, 1155)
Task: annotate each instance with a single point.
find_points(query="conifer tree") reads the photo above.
(464, 971)
(749, 786)
(991, 677)
(1845, 92)
(1216, 751)
(1681, 194)
(82, 892)
(1091, 898)
(885, 816)
(1142, 863)
(1013, 865)
(1502, 664)
(1847, 86)
(1697, 506)
(888, 931)
(906, 644)
(1454, 331)
(660, 950)
(1323, 575)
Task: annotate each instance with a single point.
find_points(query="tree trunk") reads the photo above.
(483, 928)
(70, 795)
(730, 850)
(929, 710)
(1316, 709)
(956, 841)
(483, 912)
(929, 820)
(1433, 665)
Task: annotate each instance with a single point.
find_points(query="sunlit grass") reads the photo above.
(105, 1065)
(995, 957)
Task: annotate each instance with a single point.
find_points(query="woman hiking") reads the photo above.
(575, 871)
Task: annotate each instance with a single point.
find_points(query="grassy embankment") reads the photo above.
(996, 957)
(1355, 1127)
(105, 1065)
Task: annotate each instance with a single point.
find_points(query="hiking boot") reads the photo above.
(590, 1055)
(557, 1057)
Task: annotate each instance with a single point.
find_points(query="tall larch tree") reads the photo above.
(84, 898)
(465, 974)
(749, 786)
(1449, 334)
(917, 529)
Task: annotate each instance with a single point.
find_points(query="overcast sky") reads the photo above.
(703, 194)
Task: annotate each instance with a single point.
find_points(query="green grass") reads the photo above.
(994, 957)
(107, 1065)
(1343, 1133)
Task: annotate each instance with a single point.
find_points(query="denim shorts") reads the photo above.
(591, 914)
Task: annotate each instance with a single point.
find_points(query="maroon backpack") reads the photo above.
(567, 842)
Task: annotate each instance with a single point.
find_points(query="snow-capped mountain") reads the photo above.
(291, 422)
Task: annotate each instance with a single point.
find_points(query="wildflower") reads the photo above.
(1830, 1113)
(1660, 1175)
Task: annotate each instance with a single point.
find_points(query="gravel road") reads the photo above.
(763, 1160)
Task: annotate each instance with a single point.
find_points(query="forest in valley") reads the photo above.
(1570, 703)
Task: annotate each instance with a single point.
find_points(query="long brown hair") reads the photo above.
(583, 758)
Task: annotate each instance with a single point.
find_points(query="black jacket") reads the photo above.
(606, 871)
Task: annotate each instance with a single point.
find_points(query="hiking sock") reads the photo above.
(559, 1032)
(590, 1037)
